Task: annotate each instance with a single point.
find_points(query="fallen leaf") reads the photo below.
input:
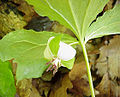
(47, 76)
(62, 90)
(9, 21)
(78, 76)
(118, 2)
(43, 87)
(25, 8)
(78, 71)
(108, 88)
(81, 87)
(56, 27)
(109, 5)
(109, 59)
(38, 23)
(26, 89)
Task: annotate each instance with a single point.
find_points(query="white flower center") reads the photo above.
(57, 62)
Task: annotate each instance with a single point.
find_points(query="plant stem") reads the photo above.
(88, 70)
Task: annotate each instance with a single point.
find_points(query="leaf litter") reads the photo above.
(109, 59)
(108, 67)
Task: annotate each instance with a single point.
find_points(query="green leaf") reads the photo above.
(54, 45)
(77, 15)
(43, 9)
(69, 64)
(108, 24)
(27, 48)
(17, 42)
(7, 84)
(33, 68)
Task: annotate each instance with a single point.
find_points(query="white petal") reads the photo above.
(66, 52)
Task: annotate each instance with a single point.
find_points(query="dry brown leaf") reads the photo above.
(43, 87)
(10, 22)
(109, 5)
(78, 71)
(108, 88)
(56, 27)
(47, 76)
(26, 89)
(62, 90)
(25, 8)
(118, 2)
(80, 80)
(109, 60)
(81, 87)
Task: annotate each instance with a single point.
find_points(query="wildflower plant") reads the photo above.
(36, 52)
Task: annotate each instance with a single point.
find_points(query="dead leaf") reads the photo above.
(25, 8)
(44, 87)
(81, 87)
(38, 23)
(47, 76)
(10, 21)
(26, 89)
(78, 76)
(56, 27)
(118, 2)
(109, 60)
(108, 88)
(78, 71)
(62, 90)
(109, 5)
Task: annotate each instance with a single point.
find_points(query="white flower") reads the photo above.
(65, 53)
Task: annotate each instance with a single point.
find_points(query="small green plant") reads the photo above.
(32, 50)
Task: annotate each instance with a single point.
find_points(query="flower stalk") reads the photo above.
(88, 70)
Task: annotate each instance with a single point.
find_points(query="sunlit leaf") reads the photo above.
(76, 15)
(27, 48)
(69, 64)
(108, 24)
(7, 85)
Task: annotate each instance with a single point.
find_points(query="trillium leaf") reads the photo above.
(68, 64)
(108, 24)
(27, 48)
(15, 43)
(42, 8)
(76, 15)
(7, 89)
(30, 69)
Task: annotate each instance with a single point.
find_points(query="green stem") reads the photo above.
(88, 70)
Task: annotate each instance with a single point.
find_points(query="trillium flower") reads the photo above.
(59, 54)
